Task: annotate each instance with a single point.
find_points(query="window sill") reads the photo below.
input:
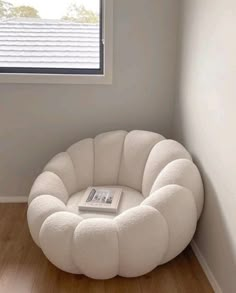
(55, 78)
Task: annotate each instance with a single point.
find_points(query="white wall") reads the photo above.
(37, 121)
(206, 123)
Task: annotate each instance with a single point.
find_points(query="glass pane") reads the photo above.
(50, 34)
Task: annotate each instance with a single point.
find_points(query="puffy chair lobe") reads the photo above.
(137, 147)
(177, 206)
(62, 165)
(82, 156)
(143, 240)
(161, 155)
(39, 209)
(56, 237)
(184, 173)
(48, 183)
(95, 248)
(108, 149)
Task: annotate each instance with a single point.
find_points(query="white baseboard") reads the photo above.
(211, 278)
(13, 199)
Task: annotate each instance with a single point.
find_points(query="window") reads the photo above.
(55, 38)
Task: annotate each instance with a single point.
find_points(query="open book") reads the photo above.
(101, 199)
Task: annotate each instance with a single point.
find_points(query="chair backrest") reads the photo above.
(131, 159)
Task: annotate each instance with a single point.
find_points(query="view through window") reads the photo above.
(51, 36)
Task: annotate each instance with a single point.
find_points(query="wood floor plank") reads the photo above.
(24, 268)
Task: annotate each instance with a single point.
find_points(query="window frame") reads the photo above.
(102, 75)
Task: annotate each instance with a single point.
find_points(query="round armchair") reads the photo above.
(158, 213)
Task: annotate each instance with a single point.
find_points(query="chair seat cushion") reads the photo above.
(129, 199)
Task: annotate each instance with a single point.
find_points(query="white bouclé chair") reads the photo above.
(160, 206)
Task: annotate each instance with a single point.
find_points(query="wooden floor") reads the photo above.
(23, 267)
